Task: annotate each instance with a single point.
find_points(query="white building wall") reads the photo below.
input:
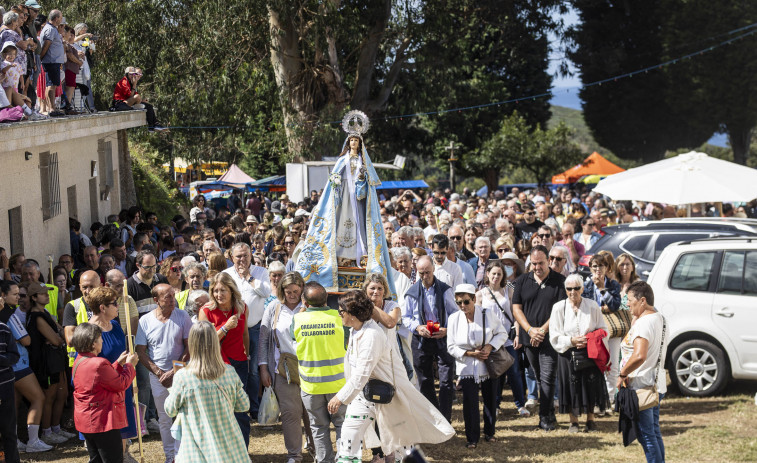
(75, 140)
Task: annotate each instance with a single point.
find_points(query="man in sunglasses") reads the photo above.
(530, 224)
(456, 236)
(534, 295)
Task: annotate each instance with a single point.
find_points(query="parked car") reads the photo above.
(646, 240)
(707, 290)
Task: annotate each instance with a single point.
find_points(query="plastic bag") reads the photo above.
(268, 412)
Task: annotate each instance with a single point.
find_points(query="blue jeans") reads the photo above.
(532, 384)
(649, 435)
(242, 418)
(514, 379)
(253, 376)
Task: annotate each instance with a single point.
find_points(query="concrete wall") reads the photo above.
(78, 142)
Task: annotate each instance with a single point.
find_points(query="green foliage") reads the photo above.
(156, 192)
(540, 152)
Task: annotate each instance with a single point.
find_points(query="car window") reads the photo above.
(636, 245)
(750, 273)
(666, 239)
(693, 271)
(731, 272)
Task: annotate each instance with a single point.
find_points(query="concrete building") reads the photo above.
(56, 169)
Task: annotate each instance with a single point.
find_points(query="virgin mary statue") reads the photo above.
(345, 227)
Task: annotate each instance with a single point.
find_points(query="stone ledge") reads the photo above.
(23, 135)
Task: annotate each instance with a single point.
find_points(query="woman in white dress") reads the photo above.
(373, 353)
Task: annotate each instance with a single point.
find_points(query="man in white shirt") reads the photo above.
(255, 287)
(455, 235)
(444, 270)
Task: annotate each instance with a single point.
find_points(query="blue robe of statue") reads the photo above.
(347, 201)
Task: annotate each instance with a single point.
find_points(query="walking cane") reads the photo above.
(134, 384)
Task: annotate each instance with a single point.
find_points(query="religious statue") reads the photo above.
(346, 238)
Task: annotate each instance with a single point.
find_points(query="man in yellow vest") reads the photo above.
(77, 312)
(320, 342)
(30, 272)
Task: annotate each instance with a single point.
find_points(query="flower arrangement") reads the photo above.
(335, 179)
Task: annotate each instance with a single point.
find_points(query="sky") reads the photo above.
(565, 89)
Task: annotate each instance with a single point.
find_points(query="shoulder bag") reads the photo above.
(648, 396)
(618, 322)
(579, 358)
(511, 333)
(377, 391)
(289, 366)
(500, 360)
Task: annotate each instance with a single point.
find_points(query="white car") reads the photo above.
(707, 290)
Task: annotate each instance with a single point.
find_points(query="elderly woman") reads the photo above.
(103, 302)
(643, 364)
(275, 339)
(473, 333)
(409, 418)
(571, 329)
(203, 397)
(496, 297)
(503, 244)
(228, 314)
(196, 299)
(99, 386)
(403, 264)
(194, 278)
(276, 272)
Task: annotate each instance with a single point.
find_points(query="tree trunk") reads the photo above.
(491, 177)
(740, 137)
(128, 192)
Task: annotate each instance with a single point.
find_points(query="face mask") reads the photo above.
(508, 271)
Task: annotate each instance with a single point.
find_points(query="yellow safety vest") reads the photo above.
(52, 306)
(81, 317)
(320, 350)
(181, 298)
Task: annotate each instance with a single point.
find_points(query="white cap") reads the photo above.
(465, 288)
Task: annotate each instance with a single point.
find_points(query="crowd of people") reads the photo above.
(219, 314)
(46, 61)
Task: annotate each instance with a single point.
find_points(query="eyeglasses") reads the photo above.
(591, 224)
(113, 303)
(440, 253)
(288, 243)
(577, 288)
(545, 235)
(558, 259)
(456, 238)
(148, 267)
(502, 250)
(177, 269)
(341, 311)
(529, 213)
(464, 301)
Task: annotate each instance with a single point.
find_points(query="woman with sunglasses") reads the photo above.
(372, 353)
(570, 325)
(496, 296)
(171, 269)
(103, 303)
(470, 346)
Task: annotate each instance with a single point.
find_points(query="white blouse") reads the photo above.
(463, 336)
(565, 322)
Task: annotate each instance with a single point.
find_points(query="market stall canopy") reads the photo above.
(685, 179)
(595, 164)
(235, 177)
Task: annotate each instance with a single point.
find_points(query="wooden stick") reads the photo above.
(134, 384)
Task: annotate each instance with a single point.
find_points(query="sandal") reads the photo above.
(490, 439)
(471, 445)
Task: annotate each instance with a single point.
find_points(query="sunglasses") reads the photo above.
(530, 213)
(177, 269)
(545, 235)
(577, 288)
(464, 301)
(502, 250)
(558, 259)
(288, 243)
(113, 303)
(148, 267)
(440, 253)
(456, 238)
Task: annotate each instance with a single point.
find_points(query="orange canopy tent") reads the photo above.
(595, 164)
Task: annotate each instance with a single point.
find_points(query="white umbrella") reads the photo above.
(685, 179)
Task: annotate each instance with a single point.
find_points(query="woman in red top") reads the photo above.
(99, 410)
(228, 314)
(126, 97)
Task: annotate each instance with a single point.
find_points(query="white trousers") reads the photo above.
(611, 376)
(360, 415)
(160, 394)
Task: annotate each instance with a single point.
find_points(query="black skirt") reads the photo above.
(579, 392)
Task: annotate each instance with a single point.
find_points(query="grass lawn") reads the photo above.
(717, 429)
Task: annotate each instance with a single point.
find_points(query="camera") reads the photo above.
(95, 37)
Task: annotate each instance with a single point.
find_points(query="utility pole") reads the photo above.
(452, 160)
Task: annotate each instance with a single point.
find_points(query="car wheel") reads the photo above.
(699, 368)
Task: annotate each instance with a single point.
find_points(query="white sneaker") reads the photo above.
(153, 425)
(531, 403)
(66, 434)
(53, 439)
(523, 412)
(38, 446)
(20, 446)
(138, 106)
(35, 116)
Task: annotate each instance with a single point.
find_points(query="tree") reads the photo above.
(633, 117)
(542, 152)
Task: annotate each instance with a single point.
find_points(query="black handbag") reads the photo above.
(579, 360)
(378, 392)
